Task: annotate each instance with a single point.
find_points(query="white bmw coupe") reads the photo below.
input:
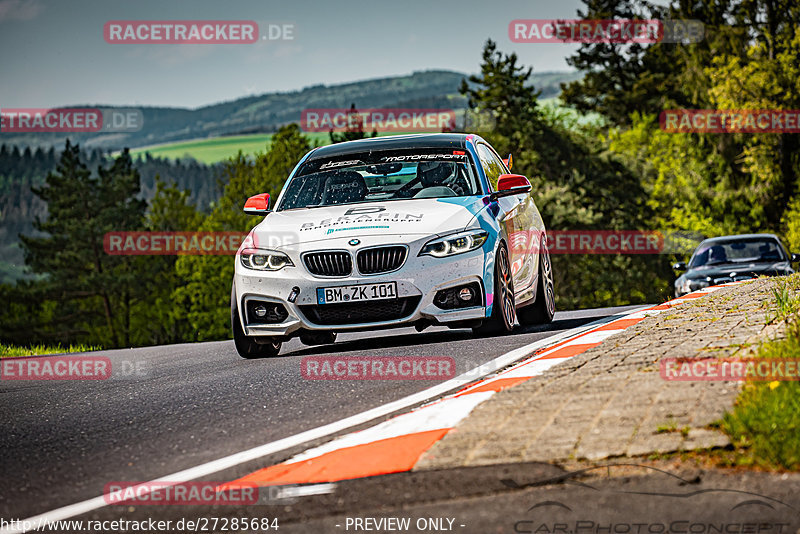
(407, 230)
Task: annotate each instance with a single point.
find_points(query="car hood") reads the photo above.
(738, 270)
(410, 218)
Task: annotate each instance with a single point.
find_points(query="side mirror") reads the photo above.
(795, 258)
(257, 205)
(511, 184)
(680, 266)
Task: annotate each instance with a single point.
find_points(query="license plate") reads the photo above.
(359, 293)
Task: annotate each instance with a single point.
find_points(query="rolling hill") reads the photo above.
(263, 114)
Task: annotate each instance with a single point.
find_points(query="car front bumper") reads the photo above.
(418, 280)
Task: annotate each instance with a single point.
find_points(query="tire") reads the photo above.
(246, 346)
(504, 312)
(544, 307)
(318, 338)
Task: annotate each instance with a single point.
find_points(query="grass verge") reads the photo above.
(10, 351)
(764, 424)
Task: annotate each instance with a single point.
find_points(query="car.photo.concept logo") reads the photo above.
(653, 501)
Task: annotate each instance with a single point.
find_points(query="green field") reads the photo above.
(215, 149)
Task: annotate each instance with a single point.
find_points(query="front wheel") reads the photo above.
(504, 312)
(246, 346)
(544, 307)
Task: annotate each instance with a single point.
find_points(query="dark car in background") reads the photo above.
(733, 258)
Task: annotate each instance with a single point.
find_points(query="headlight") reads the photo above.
(683, 286)
(455, 244)
(693, 284)
(264, 260)
(700, 283)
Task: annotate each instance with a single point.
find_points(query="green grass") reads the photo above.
(212, 150)
(786, 297)
(10, 351)
(764, 425)
(665, 428)
(672, 426)
(216, 149)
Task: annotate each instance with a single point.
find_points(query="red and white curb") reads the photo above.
(395, 445)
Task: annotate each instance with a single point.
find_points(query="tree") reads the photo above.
(749, 58)
(354, 129)
(158, 319)
(502, 89)
(92, 290)
(623, 78)
(578, 185)
(204, 299)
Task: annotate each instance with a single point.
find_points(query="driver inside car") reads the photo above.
(437, 179)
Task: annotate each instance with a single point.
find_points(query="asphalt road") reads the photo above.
(183, 405)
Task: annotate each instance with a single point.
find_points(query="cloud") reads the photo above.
(19, 9)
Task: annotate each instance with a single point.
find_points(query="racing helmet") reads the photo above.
(432, 173)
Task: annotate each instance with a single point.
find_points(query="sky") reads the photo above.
(53, 53)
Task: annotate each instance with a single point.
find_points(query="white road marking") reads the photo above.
(290, 492)
(440, 415)
(592, 337)
(532, 368)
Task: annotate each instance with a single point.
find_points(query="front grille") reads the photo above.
(361, 312)
(334, 263)
(381, 259)
(737, 278)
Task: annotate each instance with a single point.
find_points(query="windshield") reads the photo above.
(381, 176)
(739, 251)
